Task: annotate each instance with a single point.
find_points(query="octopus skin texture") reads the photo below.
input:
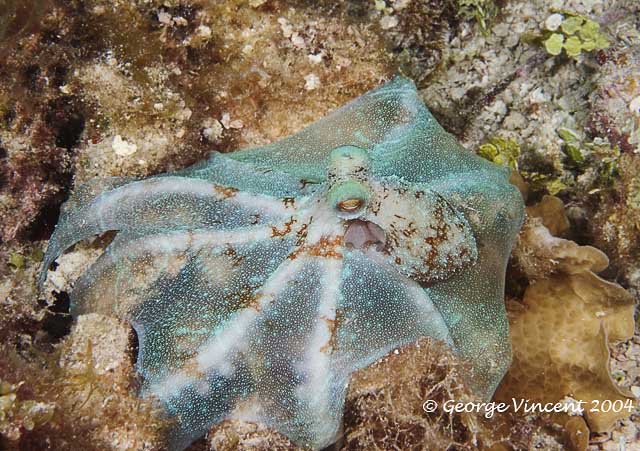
(259, 280)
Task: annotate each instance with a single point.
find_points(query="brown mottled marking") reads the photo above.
(287, 228)
(430, 261)
(392, 235)
(301, 234)
(375, 207)
(325, 248)
(253, 302)
(225, 191)
(192, 369)
(230, 252)
(333, 325)
(442, 235)
(245, 297)
(289, 201)
(410, 230)
(438, 213)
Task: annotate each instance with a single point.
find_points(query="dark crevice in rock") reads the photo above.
(57, 322)
(66, 121)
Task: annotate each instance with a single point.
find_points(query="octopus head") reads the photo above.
(415, 229)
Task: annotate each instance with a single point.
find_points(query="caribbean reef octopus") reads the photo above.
(259, 280)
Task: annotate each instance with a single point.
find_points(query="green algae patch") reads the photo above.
(501, 151)
(573, 33)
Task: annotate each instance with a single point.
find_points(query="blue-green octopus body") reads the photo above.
(258, 281)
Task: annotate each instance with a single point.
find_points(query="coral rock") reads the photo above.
(561, 330)
(540, 254)
(551, 211)
(384, 407)
(233, 435)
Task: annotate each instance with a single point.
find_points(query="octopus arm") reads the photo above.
(304, 395)
(132, 264)
(472, 302)
(194, 299)
(377, 119)
(391, 123)
(224, 170)
(158, 204)
(381, 310)
(221, 363)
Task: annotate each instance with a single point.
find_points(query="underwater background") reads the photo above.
(548, 89)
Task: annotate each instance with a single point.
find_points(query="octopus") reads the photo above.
(259, 280)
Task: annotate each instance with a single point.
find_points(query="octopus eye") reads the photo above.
(350, 205)
(349, 199)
